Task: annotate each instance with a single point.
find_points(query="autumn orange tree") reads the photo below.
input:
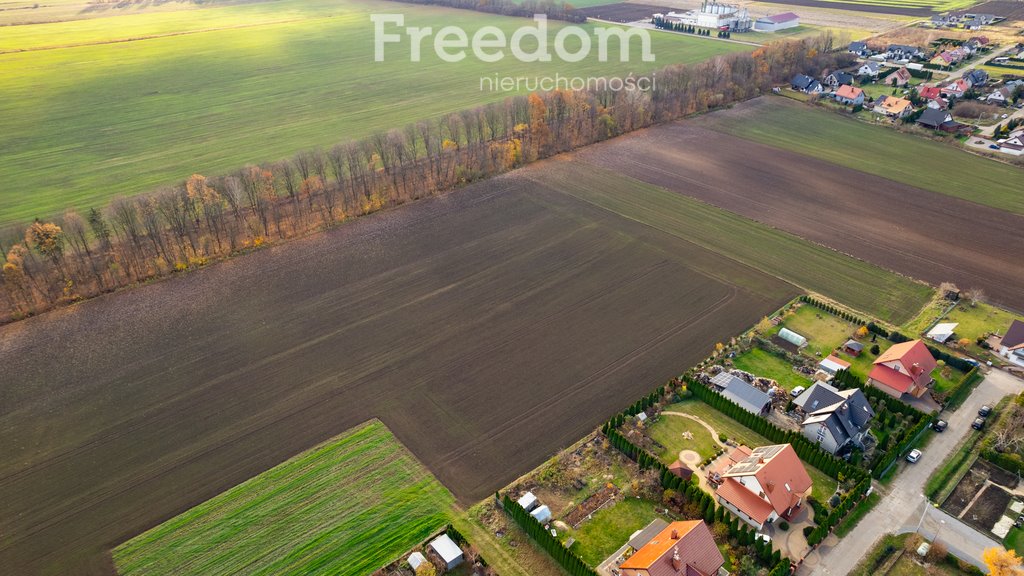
(1002, 562)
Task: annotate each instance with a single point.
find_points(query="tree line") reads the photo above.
(134, 239)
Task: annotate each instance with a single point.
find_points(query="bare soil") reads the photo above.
(487, 328)
(988, 508)
(623, 11)
(1009, 9)
(922, 234)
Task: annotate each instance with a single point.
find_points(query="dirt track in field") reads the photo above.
(915, 232)
(487, 329)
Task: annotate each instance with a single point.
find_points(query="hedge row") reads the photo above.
(825, 525)
(950, 360)
(808, 452)
(572, 563)
(833, 310)
(964, 388)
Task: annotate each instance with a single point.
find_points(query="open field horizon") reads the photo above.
(83, 124)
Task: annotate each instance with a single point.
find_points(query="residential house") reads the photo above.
(947, 58)
(850, 95)
(1012, 345)
(899, 77)
(932, 95)
(956, 88)
(894, 107)
(979, 40)
(869, 69)
(859, 48)
(684, 548)
(834, 419)
(902, 52)
(837, 79)
(1000, 96)
(761, 485)
(1013, 145)
(741, 392)
(802, 83)
(937, 119)
(903, 369)
(977, 78)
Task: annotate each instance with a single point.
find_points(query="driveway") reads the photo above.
(901, 508)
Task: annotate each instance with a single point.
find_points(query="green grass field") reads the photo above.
(859, 284)
(669, 431)
(823, 483)
(824, 332)
(79, 125)
(878, 150)
(348, 506)
(761, 363)
(610, 528)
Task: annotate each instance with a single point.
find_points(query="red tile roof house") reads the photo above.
(761, 485)
(901, 76)
(903, 369)
(850, 95)
(681, 549)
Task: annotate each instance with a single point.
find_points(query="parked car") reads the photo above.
(978, 423)
(993, 147)
(940, 425)
(797, 391)
(914, 456)
(985, 411)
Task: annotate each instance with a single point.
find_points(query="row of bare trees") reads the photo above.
(79, 255)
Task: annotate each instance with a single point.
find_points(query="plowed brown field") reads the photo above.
(487, 329)
(915, 232)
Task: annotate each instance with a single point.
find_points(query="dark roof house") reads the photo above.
(743, 393)
(834, 418)
(934, 118)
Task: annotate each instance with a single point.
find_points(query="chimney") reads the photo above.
(677, 562)
(675, 534)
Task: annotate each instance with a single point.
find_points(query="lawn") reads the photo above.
(946, 378)
(979, 320)
(824, 332)
(668, 431)
(1015, 541)
(611, 527)
(347, 506)
(863, 286)
(823, 483)
(765, 364)
(216, 88)
(822, 134)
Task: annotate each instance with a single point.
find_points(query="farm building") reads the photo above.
(792, 337)
(777, 22)
(416, 559)
(542, 514)
(528, 501)
(850, 95)
(833, 364)
(448, 550)
(681, 548)
(834, 418)
(1012, 345)
(942, 332)
(903, 369)
(742, 393)
(712, 15)
(761, 485)
(852, 347)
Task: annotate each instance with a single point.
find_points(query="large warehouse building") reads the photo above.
(712, 15)
(777, 22)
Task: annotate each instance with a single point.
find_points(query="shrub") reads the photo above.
(722, 438)
(808, 530)
(875, 349)
(783, 525)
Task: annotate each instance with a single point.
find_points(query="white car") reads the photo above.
(914, 456)
(797, 391)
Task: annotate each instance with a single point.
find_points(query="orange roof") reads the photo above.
(780, 473)
(659, 545)
(913, 356)
(838, 360)
(743, 499)
(895, 105)
(847, 91)
(909, 353)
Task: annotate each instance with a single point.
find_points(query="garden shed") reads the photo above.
(448, 550)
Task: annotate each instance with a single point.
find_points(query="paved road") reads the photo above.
(901, 509)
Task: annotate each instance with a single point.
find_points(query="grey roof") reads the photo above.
(647, 534)
(978, 76)
(800, 81)
(858, 46)
(845, 412)
(841, 77)
(933, 117)
(872, 66)
(746, 395)
(1014, 334)
(853, 345)
(902, 48)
